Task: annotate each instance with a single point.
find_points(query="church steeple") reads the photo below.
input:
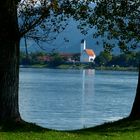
(87, 55)
(83, 45)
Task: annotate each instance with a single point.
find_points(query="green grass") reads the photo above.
(120, 130)
(84, 66)
(117, 68)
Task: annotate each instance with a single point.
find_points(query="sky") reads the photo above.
(67, 41)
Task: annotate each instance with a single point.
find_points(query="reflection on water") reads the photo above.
(88, 81)
(73, 99)
(87, 94)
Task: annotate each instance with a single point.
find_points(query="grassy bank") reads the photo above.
(84, 66)
(120, 130)
(117, 68)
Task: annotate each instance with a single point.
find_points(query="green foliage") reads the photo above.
(120, 130)
(120, 20)
(42, 58)
(123, 60)
(24, 59)
(103, 58)
(76, 57)
(35, 58)
(114, 19)
(43, 20)
(56, 60)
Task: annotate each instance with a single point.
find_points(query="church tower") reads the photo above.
(83, 45)
(87, 55)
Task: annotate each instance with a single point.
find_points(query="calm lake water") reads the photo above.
(75, 99)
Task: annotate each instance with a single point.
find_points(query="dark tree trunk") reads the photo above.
(9, 61)
(135, 112)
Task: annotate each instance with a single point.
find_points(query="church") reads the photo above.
(87, 55)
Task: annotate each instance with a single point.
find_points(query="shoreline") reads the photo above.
(63, 66)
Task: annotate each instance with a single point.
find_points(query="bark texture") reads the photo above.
(9, 61)
(135, 112)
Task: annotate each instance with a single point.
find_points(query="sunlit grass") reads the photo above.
(120, 130)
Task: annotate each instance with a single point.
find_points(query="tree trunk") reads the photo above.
(135, 112)
(9, 61)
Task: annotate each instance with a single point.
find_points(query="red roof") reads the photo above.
(90, 52)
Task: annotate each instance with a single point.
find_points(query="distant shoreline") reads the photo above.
(118, 68)
(63, 66)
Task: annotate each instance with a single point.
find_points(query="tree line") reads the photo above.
(123, 60)
(103, 59)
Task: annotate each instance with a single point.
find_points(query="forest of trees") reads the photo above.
(103, 59)
(122, 60)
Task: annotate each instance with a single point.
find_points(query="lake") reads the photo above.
(74, 99)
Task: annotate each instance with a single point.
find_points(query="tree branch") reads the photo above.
(35, 23)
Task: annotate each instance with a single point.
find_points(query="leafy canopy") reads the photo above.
(113, 19)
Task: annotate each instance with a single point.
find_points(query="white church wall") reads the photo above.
(84, 57)
(91, 58)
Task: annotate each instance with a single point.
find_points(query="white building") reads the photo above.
(87, 55)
